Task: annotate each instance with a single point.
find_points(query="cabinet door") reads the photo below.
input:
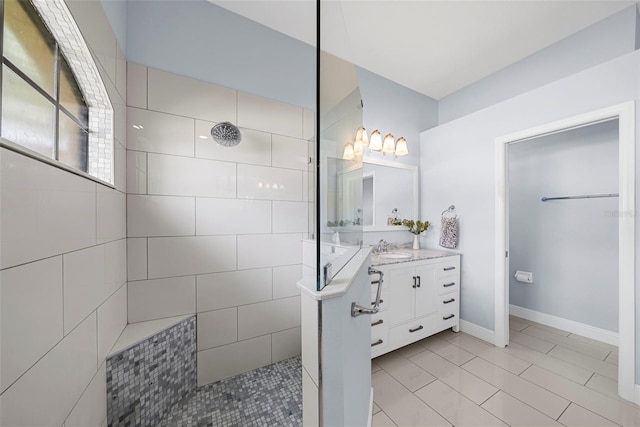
(401, 292)
(427, 292)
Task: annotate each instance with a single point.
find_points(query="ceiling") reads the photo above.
(433, 47)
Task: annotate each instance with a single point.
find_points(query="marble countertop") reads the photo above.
(414, 255)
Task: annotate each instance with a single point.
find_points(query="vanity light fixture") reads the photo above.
(389, 145)
(348, 153)
(375, 143)
(401, 147)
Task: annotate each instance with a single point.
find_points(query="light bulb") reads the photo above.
(348, 152)
(389, 145)
(375, 143)
(401, 147)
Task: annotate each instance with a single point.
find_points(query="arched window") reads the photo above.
(54, 103)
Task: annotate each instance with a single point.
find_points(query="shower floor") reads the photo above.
(268, 396)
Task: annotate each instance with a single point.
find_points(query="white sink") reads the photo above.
(395, 255)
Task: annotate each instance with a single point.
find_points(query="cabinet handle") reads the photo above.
(419, 281)
(378, 322)
(416, 329)
(449, 268)
(377, 343)
(415, 282)
(451, 316)
(446, 285)
(374, 303)
(449, 301)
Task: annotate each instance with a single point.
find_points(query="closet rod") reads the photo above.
(588, 196)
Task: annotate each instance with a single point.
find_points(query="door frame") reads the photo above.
(625, 114)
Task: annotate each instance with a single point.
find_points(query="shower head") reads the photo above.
(226, 134)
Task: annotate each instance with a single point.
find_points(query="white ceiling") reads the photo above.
(434, 47)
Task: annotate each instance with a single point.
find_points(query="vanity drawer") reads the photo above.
(379, 338)
(412, 331)
(448, 314)
(448, 285)
(450, 267)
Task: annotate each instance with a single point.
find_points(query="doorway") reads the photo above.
(625, 114)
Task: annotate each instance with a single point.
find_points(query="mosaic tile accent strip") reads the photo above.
(146, 380)
(268, 396)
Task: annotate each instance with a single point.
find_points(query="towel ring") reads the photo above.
(450, 209)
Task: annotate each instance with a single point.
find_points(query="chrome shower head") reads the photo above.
(226, 134)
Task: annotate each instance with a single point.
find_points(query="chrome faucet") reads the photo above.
(382, 247)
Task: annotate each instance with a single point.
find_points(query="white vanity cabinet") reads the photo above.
(421, 298)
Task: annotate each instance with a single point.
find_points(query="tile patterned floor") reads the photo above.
(545, 377)
(268, 396)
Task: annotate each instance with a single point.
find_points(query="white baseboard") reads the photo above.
(565, 324)
(477, 331)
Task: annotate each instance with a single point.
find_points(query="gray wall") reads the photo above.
(205, 42)
(603, 41)
(571, 246)
(116, 11)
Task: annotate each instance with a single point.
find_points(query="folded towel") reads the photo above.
(449, 232)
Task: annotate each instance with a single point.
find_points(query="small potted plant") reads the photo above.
(416, 227)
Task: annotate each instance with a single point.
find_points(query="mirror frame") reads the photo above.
(416, 202)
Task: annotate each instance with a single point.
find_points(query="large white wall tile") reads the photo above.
(157, 299)
(160, 216)
(112, 319)
(267, 250)
(221, 290)
(120, 122)
(120, 165)
(45, 210)
(121, 72)
(232, 216)
(84, 275)
(115, 270)
(268, 317)
(31, 310)
(290, 153)
(111, 214)
(229, 360)
(136, 85)
(179, 256)
(46, 393)
(308, 124)
(286, 344)
(285, 279)
(91, 409)
(254, 147)
(216, 328)
(136, 172)
(290, 217)
(269, 116)
(181, 176)
(188, 97)
(260, 182)
(136, 259)
(160, 133)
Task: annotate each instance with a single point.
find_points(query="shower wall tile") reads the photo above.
(269, 250)
(182, 176)
(91, 409)
(286, 344)
(121, 72)
(222, 290)
(111, 214)
(290, 217)
(136, 85)
(120, 173)
(48, 391)
(291, 153)
(267, 317)
(180, 256)
(160, 216)
(232, 216)
(120, 123)
(115, 259)
(160, 132)
(266, 115)
(136, 172)
(285, 279)
(156, 299)
(183, 96)
(229, 360)
(31, 296)
(137, 259)
(30, 188)
(112, 319)
(254, 148)
(259, 182)
(216, 328)
(308, 124)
